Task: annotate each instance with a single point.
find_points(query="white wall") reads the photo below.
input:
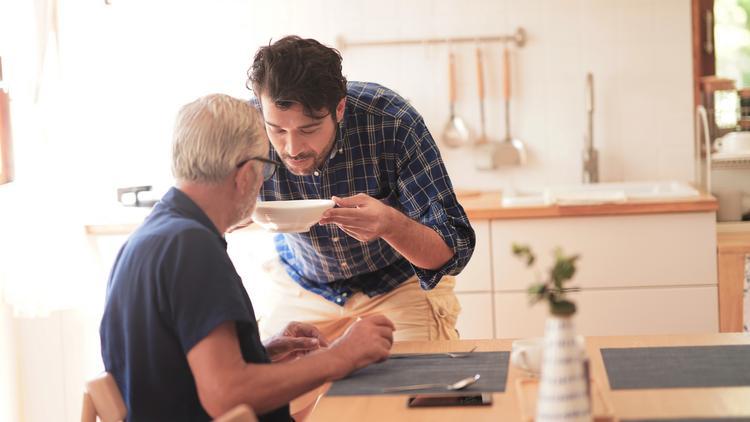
(639, 52)
(9, 374)
(130, 65)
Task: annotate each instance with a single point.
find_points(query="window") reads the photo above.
(732, 35)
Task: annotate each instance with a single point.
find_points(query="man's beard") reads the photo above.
(317, 162)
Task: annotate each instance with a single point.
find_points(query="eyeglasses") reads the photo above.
(269, 166)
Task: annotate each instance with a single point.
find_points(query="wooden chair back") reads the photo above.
(103, 399)
(240, 413)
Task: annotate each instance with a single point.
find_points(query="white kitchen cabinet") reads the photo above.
(474, 288)
(475, 320)
(661, 310)
(477, 275)
(641, 274)
(616, 251)
(514, 318)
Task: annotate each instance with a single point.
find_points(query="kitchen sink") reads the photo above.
(597, 193)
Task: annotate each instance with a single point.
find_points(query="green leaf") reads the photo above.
(537, 292)
(524, 252)
(537, 288)
(552, 290)
(563, 270)
(562, 308)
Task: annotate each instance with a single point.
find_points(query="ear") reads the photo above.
(340, 110)
(244, 176)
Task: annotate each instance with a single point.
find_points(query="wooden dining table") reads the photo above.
(625, 404)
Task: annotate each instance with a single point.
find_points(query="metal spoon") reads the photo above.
(458, 385)
(511, 151)
(456, 133)
(450, 355)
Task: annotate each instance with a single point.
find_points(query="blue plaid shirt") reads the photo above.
(382, 149)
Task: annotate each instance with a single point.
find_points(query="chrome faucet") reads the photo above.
(590, 154)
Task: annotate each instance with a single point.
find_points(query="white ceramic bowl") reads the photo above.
(290, 216)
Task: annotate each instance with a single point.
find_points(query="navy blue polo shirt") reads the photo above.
(172, 284)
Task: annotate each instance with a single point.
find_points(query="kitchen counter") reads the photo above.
(115, 220)
(487, 206)
(660, 236)
(478, 206)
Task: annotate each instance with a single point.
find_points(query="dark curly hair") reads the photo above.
(297, 70)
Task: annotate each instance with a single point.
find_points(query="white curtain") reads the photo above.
(94, 91)
(45, 260)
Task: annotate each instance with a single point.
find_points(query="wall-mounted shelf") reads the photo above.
(518, 38)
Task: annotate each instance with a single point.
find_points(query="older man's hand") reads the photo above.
(367, 341)
(297, 339)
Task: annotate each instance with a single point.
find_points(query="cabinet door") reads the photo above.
(477, 275)
(668, 310)
(475, 319)
(616, 251)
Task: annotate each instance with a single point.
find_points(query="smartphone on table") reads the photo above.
(430, 400)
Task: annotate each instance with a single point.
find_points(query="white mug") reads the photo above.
(527, 353)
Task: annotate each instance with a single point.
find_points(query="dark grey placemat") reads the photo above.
(678, 367)
(437, 368)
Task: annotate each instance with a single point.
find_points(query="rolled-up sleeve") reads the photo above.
(426, 195)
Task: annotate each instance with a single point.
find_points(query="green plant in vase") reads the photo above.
(563, 386)
(552, 289)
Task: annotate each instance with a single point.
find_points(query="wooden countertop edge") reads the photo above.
(486, 207)
(115, 229)
(733, 238)
(107, 229)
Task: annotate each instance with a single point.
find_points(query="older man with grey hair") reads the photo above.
(179, 333)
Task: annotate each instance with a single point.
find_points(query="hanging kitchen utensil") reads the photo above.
(483, 150)
(510, 151)
(456, 133)
(480, 89)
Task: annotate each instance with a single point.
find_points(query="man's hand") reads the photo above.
(296, 340)
(366, 341)
(360, 216)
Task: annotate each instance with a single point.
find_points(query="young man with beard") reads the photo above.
(397, 235)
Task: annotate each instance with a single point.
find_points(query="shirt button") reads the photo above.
(345, 294)
(335, 239)
(338, 300)
(316, 173)
(341, 150)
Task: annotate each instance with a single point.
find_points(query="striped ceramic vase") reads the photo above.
(562, 389)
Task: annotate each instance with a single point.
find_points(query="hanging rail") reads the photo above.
(519, 38)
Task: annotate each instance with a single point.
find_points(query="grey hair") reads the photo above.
(212, 135)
